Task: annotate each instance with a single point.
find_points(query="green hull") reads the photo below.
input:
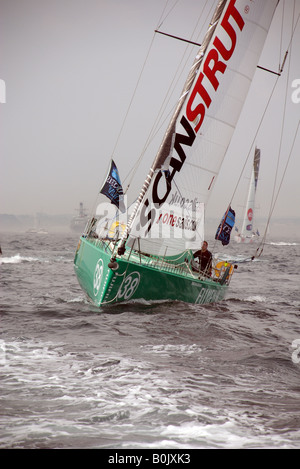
(139, 277)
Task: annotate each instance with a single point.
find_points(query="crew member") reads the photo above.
(204, 257)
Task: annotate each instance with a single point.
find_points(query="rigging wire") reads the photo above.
(274, 197)
(134, 169)
(254, 138)
(128, 108)
(158, 123)
(251, 146)
(281, 36)
(162, 20)
(136, 86)
(272, 205)
(132, 98)
(279, 188)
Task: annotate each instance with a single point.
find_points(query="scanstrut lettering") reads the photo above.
(211, 66)
(146, 217)
(200, 99)
(176, 165)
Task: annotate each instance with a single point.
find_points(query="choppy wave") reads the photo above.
(282, 243)
(118, 401)
(236, 258)
(256, 299)
(17, 259)
(147, 374)
(169, 348)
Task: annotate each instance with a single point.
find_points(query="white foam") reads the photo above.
(170, 348)
(256, 299)
(224, 435)
(283, 243)
(17, 259)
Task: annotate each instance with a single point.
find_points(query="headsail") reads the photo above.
(203, 123)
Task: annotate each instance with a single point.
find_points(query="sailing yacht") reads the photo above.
(79, 221)
(148, 254)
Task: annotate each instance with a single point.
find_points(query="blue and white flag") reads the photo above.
(112, 187)
(225, 227)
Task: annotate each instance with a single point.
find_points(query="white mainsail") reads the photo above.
(190, 156)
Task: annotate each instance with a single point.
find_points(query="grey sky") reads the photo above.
(70, 68)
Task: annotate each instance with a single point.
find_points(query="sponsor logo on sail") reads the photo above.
(200, 99)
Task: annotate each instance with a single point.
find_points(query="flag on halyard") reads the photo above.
(112, 187)
(225, 227)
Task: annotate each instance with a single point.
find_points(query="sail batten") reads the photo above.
(201, 168)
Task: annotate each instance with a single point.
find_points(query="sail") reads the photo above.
(195, 143)
(247, 227)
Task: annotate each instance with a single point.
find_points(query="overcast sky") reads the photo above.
(70, 68)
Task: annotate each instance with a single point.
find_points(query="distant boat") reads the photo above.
(36, 228)
(248, 234)
(78, 222)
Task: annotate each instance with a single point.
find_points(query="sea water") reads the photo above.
(146, 375)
